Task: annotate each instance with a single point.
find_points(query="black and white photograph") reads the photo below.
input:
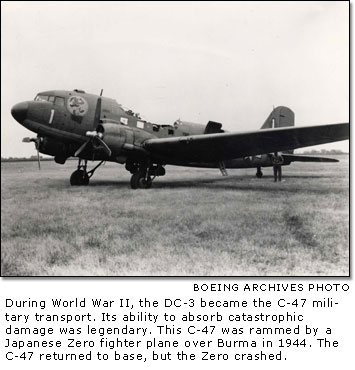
(185, 139)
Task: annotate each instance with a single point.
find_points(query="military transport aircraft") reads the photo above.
(92, 127)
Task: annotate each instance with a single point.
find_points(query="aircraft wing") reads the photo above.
(305, 158)
(224, 146)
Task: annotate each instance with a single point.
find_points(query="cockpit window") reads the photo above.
(41, 98)
(59, 101)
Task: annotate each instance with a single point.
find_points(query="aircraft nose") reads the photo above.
(19, 111)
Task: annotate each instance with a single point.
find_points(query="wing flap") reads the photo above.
(224, 146)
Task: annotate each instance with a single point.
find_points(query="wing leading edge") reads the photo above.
(224, 146)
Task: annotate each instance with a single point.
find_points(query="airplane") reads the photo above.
(93, 127)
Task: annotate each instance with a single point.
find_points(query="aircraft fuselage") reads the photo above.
(92, 127)
(62, 118)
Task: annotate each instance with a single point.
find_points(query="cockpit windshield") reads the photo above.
(41, 97)
(56, 100)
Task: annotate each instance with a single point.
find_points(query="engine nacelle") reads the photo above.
(117, 136)
(52, 147)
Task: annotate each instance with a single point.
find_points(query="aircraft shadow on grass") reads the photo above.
(236, 183)
(243, 185)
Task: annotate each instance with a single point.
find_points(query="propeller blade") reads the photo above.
(38, 160)
(37, 141)
(82, 147)
(104, 146)
(94, 135)
(97, 112)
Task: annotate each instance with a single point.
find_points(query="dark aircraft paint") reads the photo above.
(91, 127)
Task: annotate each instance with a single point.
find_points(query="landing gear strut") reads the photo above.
(259, 173)
(81, 176)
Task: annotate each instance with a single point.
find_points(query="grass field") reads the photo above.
(192, 222)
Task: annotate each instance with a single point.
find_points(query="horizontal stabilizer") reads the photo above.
(305, 158)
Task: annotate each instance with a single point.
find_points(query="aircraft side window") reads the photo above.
(51, 99)
(59, 101)
(155, 128)
(170, 131)
(124, 121)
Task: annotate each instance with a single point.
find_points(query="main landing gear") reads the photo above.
(259, 173)
(143, 174)
(141, 180)
(81, 176)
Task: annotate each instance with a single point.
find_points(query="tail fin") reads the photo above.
(280, 117)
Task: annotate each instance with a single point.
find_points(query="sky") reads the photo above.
(229, 62)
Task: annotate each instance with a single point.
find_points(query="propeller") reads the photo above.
(37, 141)
(95, 137)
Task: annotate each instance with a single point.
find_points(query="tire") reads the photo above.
(78, 178)
(143, 183)
(135, 180)
(75, 178)
(85, 180)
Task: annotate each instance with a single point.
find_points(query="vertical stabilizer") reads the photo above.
(280, 117)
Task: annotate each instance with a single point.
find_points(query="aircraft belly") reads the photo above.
(242, 163)
(249, 162)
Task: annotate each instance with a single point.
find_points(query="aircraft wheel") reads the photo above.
(85, 180)
(144, 184)
(259, 174)
(135, 180)
(79, 177)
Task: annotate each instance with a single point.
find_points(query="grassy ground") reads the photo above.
(192, 222)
